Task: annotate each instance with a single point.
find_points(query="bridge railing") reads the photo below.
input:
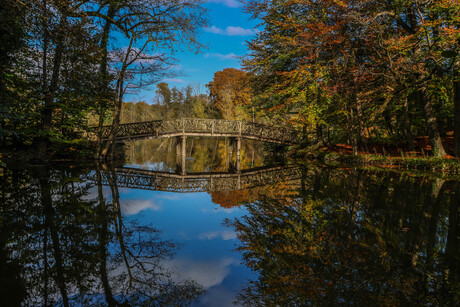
(133, 129)
(228, 127)
(217, 127)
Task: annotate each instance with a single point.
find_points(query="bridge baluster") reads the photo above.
(205, 127)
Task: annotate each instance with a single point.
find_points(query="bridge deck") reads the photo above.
(203, 127)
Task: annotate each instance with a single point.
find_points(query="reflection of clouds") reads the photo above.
(125, 191)
(218, 297)
(224, 235)
(171, 196)
(134, 206)
(207, 274)
(93, 193)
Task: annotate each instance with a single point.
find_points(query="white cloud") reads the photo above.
(134, 206)
(174, 80)
(207, 274)
(229, 3)
(221, 56)
(224, 235)
(232, 31)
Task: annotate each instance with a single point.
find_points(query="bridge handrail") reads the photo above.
(207, 126)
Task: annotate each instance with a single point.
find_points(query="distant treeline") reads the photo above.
(168, 103)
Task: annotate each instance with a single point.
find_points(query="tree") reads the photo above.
(63, 55)
(360, 67)
(150, 26)
(58, 64)
(12, 39)
(230, 93)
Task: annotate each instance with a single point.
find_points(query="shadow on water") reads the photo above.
(314, 236)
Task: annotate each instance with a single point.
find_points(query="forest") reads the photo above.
(64, 62)
(355, 72)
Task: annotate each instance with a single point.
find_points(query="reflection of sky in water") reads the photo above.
(207, 253)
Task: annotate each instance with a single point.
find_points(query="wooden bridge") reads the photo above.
(198, 182)
(203, 127)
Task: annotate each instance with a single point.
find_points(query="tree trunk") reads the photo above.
(117, 110)
(406, 124)
(48, 108)
(104, 76)
(42, 146)
(319, 135)
(319, 127)
(432, 125)
(457, 112)
(355, 109)
(351, 135)
(304, 134)
(359, 117)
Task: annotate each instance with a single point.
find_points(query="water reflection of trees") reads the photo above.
(354, 237)
(63, 243)
(204, 154)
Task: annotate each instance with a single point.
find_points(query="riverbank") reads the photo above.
(384, 156)
(78, 151)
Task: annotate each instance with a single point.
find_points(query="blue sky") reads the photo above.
(228, 30)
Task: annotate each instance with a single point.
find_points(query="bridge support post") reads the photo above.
(238, 147)
(181, 142)
(234, 143)
(238, 154)
(230, 147)
(178, 146)
(183, 163)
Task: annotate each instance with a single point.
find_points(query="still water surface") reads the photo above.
(141, 234)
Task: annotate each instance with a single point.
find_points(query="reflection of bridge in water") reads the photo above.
(200, 182)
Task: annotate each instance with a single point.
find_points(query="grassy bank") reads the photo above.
(407, 161)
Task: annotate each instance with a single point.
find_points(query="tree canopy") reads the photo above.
(364, 69)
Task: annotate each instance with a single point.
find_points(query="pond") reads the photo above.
(264, 233)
